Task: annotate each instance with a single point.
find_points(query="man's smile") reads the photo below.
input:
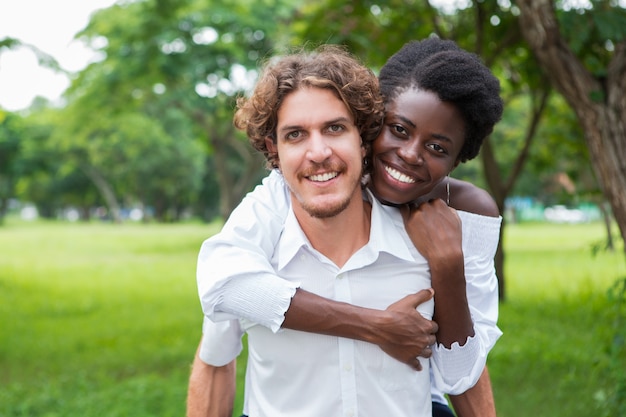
(327, 176)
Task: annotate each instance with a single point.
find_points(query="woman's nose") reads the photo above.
(410, 153)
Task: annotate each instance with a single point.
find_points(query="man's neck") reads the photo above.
(340, 236)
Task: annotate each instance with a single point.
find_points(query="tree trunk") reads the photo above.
(501, 187)
(225, 144)
(600, 107)
(4, 207)
(105, 190)
(606, 217)
(496, 185)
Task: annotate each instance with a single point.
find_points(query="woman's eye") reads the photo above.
(437, 148)
(399, 130)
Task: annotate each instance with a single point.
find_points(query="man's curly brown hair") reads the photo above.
(329, 67)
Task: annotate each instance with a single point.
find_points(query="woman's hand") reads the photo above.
(435, 230)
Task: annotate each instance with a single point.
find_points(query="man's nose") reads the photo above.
(319, 148)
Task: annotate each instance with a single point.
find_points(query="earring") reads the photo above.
(448, 189)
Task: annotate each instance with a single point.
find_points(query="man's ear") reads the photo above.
(271, 146)
(272, 150)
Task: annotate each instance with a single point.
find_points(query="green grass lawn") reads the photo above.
(557, 323)
(104, 320)
(97, 320)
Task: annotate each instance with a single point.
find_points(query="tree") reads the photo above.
(130, 158)
(590, 72)
(11, 128)
(45, 177)
(194, 56)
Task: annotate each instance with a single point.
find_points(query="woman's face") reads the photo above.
(417, 147)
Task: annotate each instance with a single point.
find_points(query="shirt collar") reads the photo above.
(387, 234)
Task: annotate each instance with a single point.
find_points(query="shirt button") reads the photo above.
(349, 413)
(347, 367)
(340, 276)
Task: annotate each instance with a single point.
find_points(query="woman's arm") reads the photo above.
(436, 232)
(460, 254)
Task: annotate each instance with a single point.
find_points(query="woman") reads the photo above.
(441, 102)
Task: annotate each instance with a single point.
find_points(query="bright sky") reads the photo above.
(51, 26)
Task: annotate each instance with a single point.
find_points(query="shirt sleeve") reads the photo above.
(221, 342)
(234, 275)
(457, 369)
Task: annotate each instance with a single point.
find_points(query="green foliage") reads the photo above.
(47, 177)
(593, 33)
(19, 146)
(559, 148)
(372, 30)
(11, 128)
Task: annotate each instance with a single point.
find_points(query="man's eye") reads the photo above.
(293, 135)
(335, 128)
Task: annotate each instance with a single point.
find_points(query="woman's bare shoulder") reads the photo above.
(468, 197)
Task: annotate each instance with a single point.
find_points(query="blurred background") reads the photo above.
(115, 126)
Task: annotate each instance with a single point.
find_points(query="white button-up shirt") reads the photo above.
(235, 280)
(294, 373)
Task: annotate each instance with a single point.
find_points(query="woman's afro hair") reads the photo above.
(456, 76)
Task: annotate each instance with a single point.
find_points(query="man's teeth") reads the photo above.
(399, 176)
(323, 177)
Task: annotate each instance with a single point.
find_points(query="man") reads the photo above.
(333, 244)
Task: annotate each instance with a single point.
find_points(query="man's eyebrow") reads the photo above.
(289, 128)
(341, 119)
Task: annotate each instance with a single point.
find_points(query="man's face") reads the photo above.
(319, 151)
